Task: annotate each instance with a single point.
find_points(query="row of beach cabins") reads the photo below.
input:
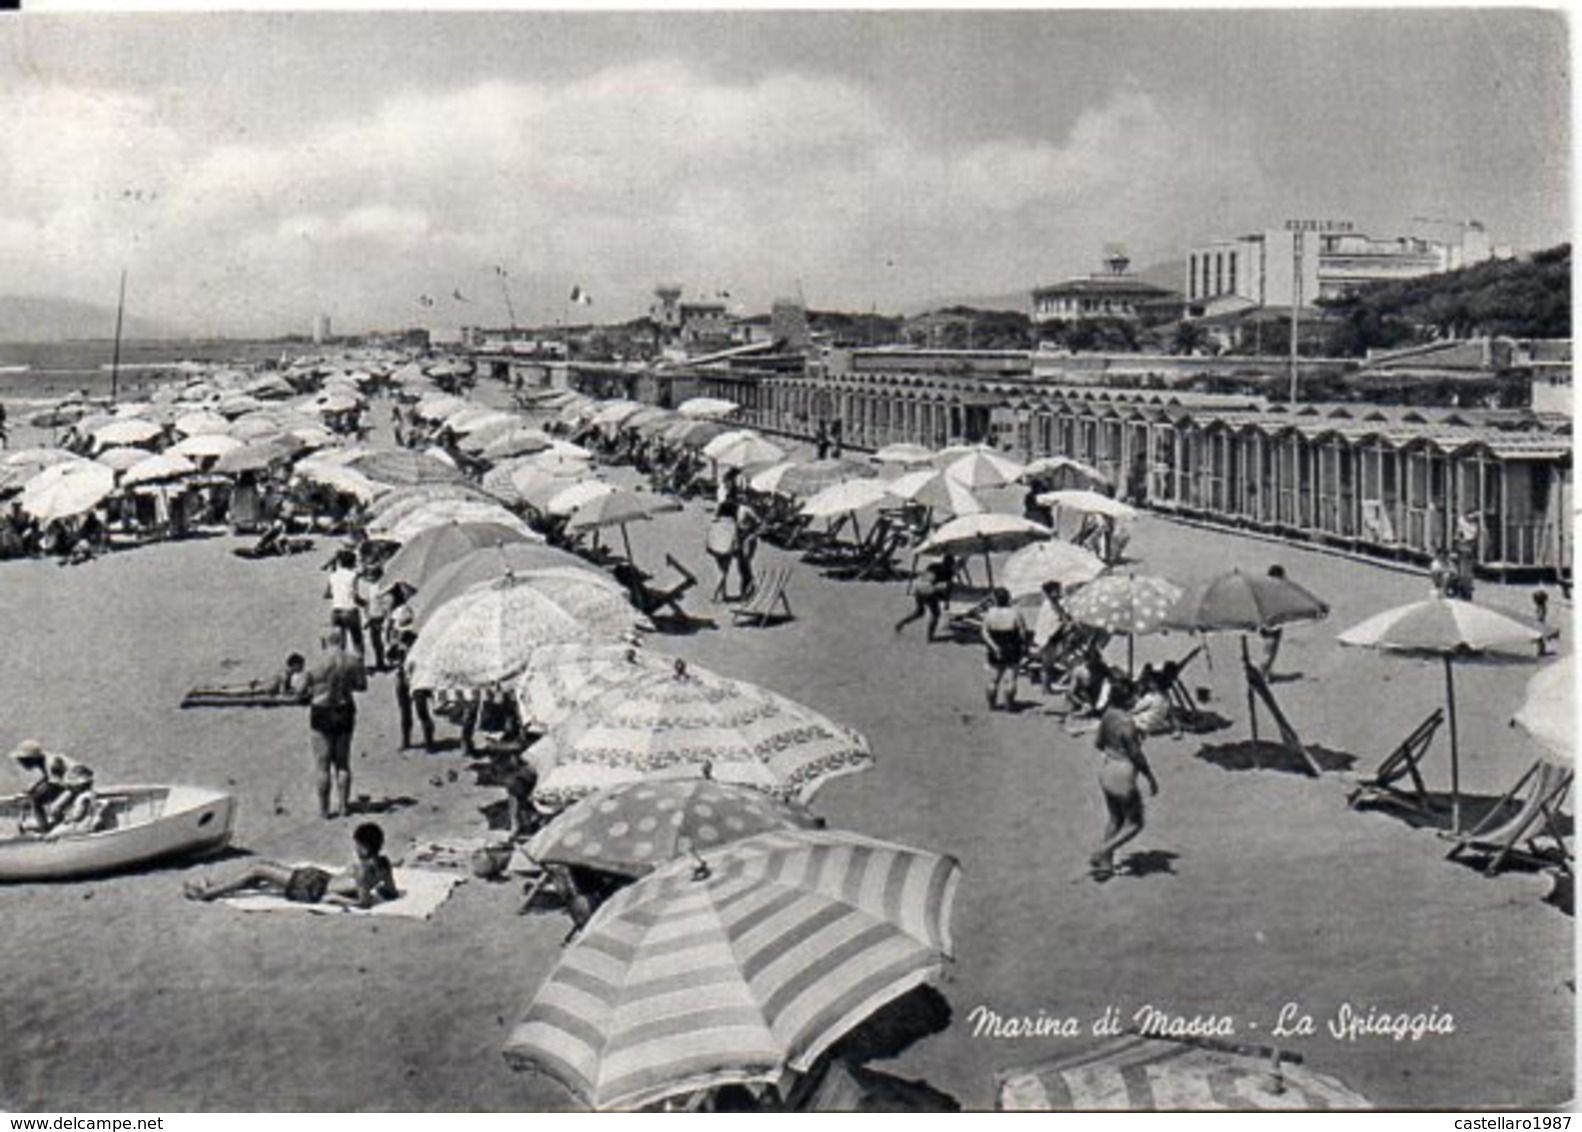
(1385, 481)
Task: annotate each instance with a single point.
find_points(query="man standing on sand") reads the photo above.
(331, 690)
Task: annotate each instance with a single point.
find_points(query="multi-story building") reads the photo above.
(1110, 294)
(1260, 270)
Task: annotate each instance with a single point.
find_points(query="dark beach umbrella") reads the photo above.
(428, 550)
(485, 564)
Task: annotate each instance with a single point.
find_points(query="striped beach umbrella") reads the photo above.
(1137, 1074)
(401, 467)
(694, 723)
(523, 440)
(937, 491)
(737, 967)
(634, 829)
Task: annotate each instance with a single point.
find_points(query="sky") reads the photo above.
(252, 170)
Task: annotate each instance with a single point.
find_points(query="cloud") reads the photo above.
(630, 176)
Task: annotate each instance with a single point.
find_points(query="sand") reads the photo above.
(121, 995)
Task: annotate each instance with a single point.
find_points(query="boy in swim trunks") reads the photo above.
(369, 880)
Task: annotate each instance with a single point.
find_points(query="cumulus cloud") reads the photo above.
(618, 181)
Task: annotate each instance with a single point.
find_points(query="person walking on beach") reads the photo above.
(722, 545)
(332, 687)
(1005, 636)
(1272, 635)
(345, 613)
(931, 593)
(1120, 748)
(400, 633)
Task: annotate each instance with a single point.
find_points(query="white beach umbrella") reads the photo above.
(201, 423)
(845, 497)
(132, 430)
(64, 490)
(205, 445)
(707, 408)
(1088, 501)
(153, 469)
(905, 455)
(937, 491)
(574, 495)
(1548, 713)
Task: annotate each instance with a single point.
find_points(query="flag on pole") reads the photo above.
(580, 297)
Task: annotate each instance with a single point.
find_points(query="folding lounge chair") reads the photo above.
(769, 601)
(1503, 834)
(1384, 785)
(655, 598)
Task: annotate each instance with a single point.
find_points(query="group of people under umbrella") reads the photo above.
(650, 792)
(724, 938)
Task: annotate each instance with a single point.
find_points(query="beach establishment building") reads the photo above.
(1111, 294)
(1257, 271)
(1386, 481)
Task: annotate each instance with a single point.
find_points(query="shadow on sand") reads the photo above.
(1262, 754)
(1147, 863)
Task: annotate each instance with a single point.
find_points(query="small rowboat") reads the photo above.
(137, 825)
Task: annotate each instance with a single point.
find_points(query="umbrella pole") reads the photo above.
(1455, 750)
(1131, 645)
(626, 540)
(1246, 671)
(988, 568)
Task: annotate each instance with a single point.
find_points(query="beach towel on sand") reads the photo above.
(422, 892)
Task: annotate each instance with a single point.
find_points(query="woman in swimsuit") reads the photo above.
(1121, 748)
(1005, 635)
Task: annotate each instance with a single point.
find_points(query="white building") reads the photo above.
(1259, 270)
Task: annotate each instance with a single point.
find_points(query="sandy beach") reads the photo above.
(1262, 888)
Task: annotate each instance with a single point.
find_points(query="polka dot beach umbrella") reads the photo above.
(1125, 603)
(631, 830)
(694, 723)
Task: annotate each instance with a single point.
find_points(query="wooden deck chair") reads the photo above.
(769, 601)
(1538, 796)
(655, 597)
(1384, 785)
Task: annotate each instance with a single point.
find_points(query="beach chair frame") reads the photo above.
(1405, 761)
(1505, 836)
(769, 602)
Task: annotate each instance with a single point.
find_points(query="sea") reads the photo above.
(41, 373)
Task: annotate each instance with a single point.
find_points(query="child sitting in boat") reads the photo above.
(369, 879)
(48, 788)
(77, 809)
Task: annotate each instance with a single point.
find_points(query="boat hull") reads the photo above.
(152, 823)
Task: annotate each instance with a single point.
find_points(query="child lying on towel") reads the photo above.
(284, 689)
(369, 879)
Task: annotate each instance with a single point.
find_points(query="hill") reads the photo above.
(25, 318)
(1519, 298)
